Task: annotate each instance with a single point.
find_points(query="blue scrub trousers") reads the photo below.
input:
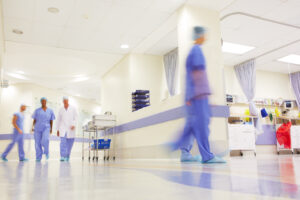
(19, 138)
(197, 127)
(66, 145)
(41, 138)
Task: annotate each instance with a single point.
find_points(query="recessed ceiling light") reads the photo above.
(124, 46)
(17, 31)
(53, 10)
(236, 48)
(293, 59)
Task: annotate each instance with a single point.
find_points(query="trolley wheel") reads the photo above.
(107, 158)
(277, 152)
(114, 158)
(241, 154)
(104, 158)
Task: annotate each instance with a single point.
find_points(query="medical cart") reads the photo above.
(241, 133)
(100, 126)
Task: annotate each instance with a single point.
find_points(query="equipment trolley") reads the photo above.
(101, 126)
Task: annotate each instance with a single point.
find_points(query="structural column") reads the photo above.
(190, 16)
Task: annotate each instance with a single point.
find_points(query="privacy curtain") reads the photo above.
(170, 64)
(246, 74)
(295, 81)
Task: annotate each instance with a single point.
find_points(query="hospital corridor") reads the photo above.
(149, 99)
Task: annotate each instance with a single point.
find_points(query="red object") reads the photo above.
(283, 135)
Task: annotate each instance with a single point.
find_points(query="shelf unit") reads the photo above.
(140, 99)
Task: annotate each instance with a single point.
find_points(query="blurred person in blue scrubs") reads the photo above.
(42, 125)
(18, 135)
(198, 111)
(66, 123)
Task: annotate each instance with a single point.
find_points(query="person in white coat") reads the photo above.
(66, 123)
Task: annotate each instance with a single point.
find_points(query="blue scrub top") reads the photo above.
(43, 118)
(20, 120)
(196, 62)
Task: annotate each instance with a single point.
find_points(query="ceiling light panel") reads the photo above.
(291, 59)
(238, 49)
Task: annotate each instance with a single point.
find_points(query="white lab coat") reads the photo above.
(66, 119)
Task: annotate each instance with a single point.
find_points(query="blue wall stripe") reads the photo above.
(169, 115)
(28, 136)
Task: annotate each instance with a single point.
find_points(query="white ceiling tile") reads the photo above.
(59, 19)
(23, 25)
(169, 6)
(19, 9)
(215, 5)
(283, 12)
(148, 23)
(74, 38)
(46, 34)
(165, 45)
(255, 7)
(140, 4)
(89, 13)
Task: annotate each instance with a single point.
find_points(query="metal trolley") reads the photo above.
(102, 126)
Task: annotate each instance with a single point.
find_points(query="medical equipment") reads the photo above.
(288, 105)
(100, 126)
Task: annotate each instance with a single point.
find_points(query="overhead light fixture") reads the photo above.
(53, 10)
(236, 48)
(18, 76)
(124, 46)
(20, 72)
(80, 79)
(17, 31)
(292, 59)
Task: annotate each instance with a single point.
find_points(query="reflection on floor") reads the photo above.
(267, 177)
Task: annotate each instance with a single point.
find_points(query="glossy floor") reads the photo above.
(265, 177)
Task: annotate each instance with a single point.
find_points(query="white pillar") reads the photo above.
(195, 16)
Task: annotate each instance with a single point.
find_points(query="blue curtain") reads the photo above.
(246, 74)
(295, 81)
(171, 64)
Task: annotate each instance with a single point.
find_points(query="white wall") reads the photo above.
(30, 94)
(134, 72)
(1, 36)
(268, 84)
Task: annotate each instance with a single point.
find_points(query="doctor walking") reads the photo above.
(18, 135)
(42, 125)
(66, 123)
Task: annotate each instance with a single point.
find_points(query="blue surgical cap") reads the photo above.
(44, 98)
(198, 32)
